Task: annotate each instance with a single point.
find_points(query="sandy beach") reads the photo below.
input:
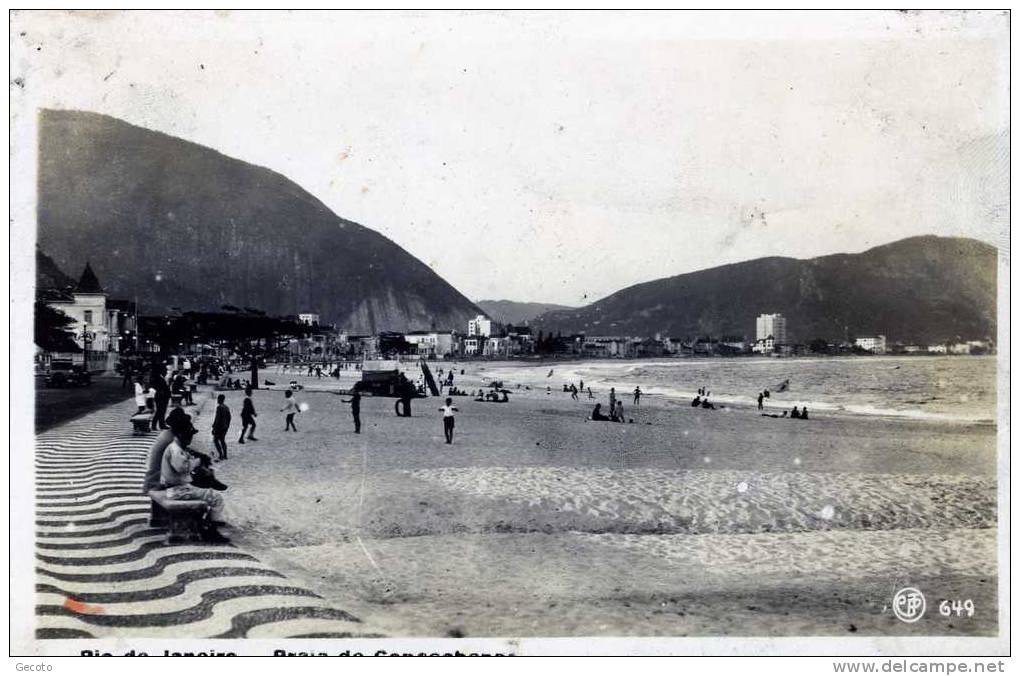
(686, 522)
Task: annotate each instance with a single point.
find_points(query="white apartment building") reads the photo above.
(309, 318)
(771, 326)
(873, 344)
(480, 326)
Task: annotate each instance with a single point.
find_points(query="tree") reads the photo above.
(250, 334)
(51, 329)
(819, 345)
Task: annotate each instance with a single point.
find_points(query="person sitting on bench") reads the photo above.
(179, 461)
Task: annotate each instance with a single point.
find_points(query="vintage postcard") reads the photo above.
(510, 332)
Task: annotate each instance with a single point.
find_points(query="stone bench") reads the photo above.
(182, 518)
(141, 423)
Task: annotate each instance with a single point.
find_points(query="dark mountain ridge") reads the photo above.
(182, 225)
(516, 312)
(925, 289)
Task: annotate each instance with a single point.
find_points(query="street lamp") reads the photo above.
(86, 337)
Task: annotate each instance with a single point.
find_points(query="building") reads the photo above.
(432, 344)
(309, 318)
(937, 348)
(764, 345)
(771, 326)
(496, 346)
(480, 326)
(605, 346)
(873, 344)
(959, 348)
(474, 346)
(96, 327)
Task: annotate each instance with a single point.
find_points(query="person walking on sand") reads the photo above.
(355, 402)
(448, 410)
(248, 416)
(612, 401)
(290, 408)
(590, 395)
(573, 392)
(637, 395)
(220, 426)
(761, 400)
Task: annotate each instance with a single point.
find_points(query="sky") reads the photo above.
(560, 157)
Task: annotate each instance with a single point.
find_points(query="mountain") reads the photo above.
(49, 278)
(513, 312)
(923, 289)
(182, 225)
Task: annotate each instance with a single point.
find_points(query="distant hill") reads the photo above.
(923, 289)
(181, 225)
(48, 277)
(512, 312)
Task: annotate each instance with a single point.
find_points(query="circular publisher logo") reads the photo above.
(909, 604)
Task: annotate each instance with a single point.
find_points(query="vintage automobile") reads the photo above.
(64, 373)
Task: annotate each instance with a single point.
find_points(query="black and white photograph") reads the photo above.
(510, 332)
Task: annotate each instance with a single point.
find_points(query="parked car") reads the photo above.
(64, 373)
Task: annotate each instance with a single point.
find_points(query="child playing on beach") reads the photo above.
(248, 416)
(448, 411)
(355, 402)
(290, 407)
(221, 423)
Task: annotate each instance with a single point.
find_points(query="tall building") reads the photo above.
(875, 344)
(772, 326)
(480, 326)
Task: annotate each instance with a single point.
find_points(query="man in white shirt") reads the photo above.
(179, 461)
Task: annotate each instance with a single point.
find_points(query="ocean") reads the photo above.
(957, 388)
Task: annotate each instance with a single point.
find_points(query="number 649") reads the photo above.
(956, 607)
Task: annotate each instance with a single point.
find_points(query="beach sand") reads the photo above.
(536, 522)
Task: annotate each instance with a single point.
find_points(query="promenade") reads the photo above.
(102, 572)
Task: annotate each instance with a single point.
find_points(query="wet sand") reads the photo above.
(687, 522)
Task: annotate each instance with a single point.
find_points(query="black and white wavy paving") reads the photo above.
(103, 572)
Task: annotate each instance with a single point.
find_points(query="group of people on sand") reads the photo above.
(153, 397)
(616, 412)
(797, 414)
(498, 396)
